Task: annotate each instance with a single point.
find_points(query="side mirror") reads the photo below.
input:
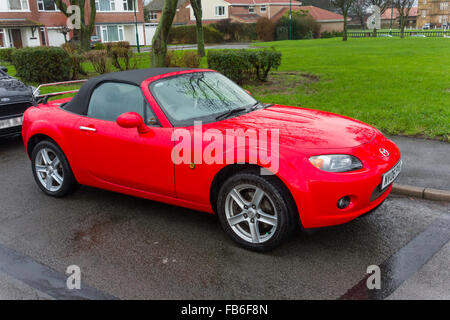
(132, 120)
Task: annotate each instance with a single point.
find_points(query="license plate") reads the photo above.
(13, 122)
(391, 175)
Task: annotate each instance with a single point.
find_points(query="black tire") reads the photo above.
(278, 197)
(63, 169)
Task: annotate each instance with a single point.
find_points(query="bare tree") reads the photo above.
(358, 10)
(403, 7)
(344, 7)
(383, 5)
(85, 31)
(197, 8)
(161, 37)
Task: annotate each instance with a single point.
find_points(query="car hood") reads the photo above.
(304, 128)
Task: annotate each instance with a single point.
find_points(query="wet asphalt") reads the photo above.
(132, 248)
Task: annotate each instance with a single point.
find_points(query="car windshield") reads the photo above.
(204, 96)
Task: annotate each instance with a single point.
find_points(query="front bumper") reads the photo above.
(318, 205)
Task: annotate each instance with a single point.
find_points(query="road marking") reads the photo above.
(43, 278)
(405, 262)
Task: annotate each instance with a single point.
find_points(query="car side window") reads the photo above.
(111, 99)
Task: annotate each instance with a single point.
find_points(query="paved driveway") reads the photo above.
(133, 248)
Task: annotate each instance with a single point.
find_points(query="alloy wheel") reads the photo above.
(251, 213)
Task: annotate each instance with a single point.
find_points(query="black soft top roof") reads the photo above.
(79, 104)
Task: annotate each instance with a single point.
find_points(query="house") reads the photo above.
(386, 18)
(27, 23)
(246, 11)
(434, 12)
(328, 20)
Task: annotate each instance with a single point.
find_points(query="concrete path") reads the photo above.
(426, 163)
(239, 45)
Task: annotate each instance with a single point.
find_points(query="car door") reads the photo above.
(122, 156)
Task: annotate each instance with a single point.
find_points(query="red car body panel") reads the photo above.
(122, 160)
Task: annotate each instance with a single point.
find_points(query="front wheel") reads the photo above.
(256, 211)
(51, 169)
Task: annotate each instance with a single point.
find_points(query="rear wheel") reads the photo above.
(256, 211)
(51, 169)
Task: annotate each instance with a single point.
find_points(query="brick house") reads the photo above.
(27, 23)
(246, 11)
(386, 18)
(436, 12)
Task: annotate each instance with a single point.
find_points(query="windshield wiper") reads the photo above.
(230, 113)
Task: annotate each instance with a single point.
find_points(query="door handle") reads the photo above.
(83, 128)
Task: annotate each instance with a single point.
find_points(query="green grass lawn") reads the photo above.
(401, 86)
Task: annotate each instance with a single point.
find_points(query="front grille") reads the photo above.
(13, 109)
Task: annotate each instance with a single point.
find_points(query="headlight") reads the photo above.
(336, 162)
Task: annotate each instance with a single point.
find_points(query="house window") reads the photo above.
(18, 5)
(153, 15)
(220, 11)
(444, 5)
(105, 5)
(128, 5)
(424, 13)
(251, 9)
(46, 5)
(263, 9)
(111, 33)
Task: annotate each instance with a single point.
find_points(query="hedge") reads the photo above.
(244, 65)
(42, 64)
(188, 35)
(236, 31)
(6, 54)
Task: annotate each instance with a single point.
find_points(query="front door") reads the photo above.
(16, 38)
(122, 156)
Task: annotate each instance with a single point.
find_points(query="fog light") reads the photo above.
(343, 202)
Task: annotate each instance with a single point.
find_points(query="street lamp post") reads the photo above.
(392, 13)
(136, 25)
(290, 19)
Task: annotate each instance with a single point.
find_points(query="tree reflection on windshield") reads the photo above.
(199, 95)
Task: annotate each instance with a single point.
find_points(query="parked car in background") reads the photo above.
(428, 26)
(94, 40)
(15, 98)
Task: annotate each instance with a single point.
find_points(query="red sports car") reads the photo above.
(194, 138)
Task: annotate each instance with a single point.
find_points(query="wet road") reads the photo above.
(134, 248)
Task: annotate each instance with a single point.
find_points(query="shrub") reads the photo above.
(184, 59)
(303, 26)
(244, 65)
(265, 29)
(236, 31)
(76, 57)
(42, 64)
(188, 35)
(121, 57)
(332, 34)
(99, 60)
(99, 46)
(6, 54)
(263, 61)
